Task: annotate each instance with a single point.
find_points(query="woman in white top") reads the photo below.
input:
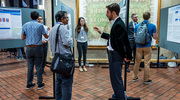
(81, 33)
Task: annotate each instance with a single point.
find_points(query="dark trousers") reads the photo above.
(133, 48)
(34, 56)
(45, 48)
(82, 47)
(115, 68)
(63, 87)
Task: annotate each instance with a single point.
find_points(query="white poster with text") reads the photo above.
(10, 23)
(173, 29)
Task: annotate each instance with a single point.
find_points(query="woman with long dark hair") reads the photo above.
(81, 33)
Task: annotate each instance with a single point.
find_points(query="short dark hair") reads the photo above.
(40, 16)
(146, 15)
(34, 15)
(133, 15)
(59, 15)
(114, 7)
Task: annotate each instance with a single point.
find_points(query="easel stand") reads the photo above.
(125, 70)
(42, 97)
(125, 82)
(52, 5)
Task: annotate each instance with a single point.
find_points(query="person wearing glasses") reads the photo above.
(81, 34)
(44, 45)
(63, 89)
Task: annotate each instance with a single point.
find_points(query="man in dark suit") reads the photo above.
(118, 49)
(132, 25)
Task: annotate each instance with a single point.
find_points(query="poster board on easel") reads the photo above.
(13, 20)
(169, 28)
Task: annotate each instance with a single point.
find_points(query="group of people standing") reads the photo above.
(120, 46)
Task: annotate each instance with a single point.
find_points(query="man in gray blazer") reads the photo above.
(132, 25)
(63, 89)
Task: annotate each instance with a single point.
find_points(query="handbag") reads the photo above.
(62, 64)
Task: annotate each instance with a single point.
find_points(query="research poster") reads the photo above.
(173, 30)
(122, 13)
(10, 23)
(70, 12)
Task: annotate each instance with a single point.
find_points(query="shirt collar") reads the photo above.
(116, 18)
(59, 23)
(145, 21)
(34, 20)
(134, 22)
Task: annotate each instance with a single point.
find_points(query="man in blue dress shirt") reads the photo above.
(32, 31)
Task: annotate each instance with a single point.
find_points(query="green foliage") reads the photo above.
(139, 7)
(96, 14)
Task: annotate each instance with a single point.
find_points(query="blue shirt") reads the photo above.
(151, 29)
(33, 31)
(46, 30)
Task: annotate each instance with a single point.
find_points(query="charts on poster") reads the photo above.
(173, 28)
(10, 23)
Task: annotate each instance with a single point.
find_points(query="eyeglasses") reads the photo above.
(40, 19)
(66, 17)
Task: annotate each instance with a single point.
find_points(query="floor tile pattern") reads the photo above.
(91, 85)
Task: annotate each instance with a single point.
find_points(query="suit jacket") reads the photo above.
(131, 35)
(131, 30)
(119, 39)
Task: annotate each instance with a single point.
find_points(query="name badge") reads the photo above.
(82, 37)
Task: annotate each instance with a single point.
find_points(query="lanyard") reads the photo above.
(82, 30)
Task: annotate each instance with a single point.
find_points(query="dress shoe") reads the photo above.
(112, 99)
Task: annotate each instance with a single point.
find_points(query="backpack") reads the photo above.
(142, 35)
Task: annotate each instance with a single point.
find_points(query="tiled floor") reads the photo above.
(91, 85)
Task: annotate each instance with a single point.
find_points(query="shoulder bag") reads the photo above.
(62, 64)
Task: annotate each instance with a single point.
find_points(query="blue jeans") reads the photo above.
(63, 87)
(115, 69)
(82, 47)
(34, 56)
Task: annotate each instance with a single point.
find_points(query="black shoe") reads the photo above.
(128, 70)
(132, 98)
(44, 72)
(35, 74)
(112, 99)
(29, 86)
(40, 86)
(135, 79)
(147, 82)
(140, 69)
(113, 96)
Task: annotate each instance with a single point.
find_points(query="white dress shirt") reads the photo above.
(110, 47)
